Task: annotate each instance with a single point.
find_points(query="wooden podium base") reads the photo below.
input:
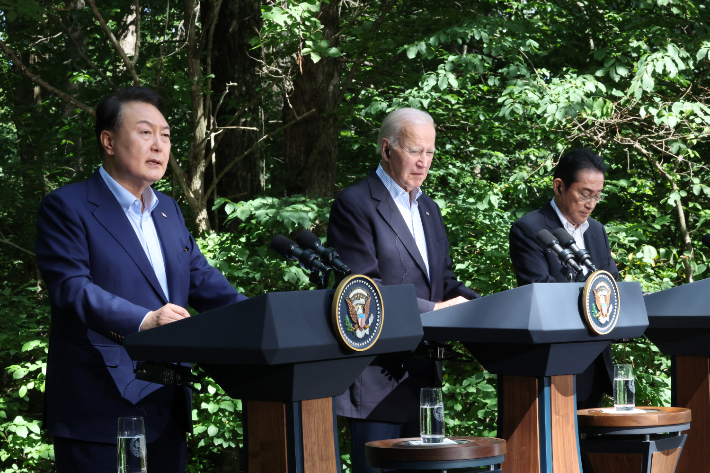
(538, 419)
(291, 437)
(691, 389)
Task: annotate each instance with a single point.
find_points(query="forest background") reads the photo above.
(274, 108)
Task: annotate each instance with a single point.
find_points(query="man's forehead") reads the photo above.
(135, 113)
(418, 132)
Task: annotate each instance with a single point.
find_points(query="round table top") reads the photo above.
(468, 448)
(653, 416)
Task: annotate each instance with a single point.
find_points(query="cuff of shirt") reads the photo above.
(141, 324)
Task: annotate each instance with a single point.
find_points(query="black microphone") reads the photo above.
(308, 240)
(308, 259)
(565, 257)
(706, 240)
(580, 254)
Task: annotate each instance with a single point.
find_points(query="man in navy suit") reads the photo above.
(386, 228)
(117, 259)
(578, 183)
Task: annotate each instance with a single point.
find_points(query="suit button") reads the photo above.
(185, 249)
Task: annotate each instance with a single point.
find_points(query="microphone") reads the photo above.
(706, 240)
(580, 254)
(308, 259)
(565, 257)
(308, 240)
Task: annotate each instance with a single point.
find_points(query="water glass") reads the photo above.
(624, 389)
(132, 456)
(431, 415)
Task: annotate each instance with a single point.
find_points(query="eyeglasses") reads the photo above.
(588, 198)
(417, 152)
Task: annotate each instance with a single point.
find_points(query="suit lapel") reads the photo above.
(426, 213)
(390, 213)
(110, 214)
(165, 225)
(591, 245)
(552, 220)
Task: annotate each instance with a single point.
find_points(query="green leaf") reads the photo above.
(412, 51)
(212, 430)
(647, 83)
(21, 430)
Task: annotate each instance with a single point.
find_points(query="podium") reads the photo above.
(534, 338)
(278, 353)
(679, 325)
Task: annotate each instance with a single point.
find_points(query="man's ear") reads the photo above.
(107, 141)
(557, 185)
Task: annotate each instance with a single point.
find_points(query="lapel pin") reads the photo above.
(161, 213)
(427, 213)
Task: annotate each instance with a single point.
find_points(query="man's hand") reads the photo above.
(166, 314)
(450, 302)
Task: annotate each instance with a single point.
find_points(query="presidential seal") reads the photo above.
(601, 302)
(357, 312)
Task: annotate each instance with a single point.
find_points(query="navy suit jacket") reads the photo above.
(368, 230)
(101, 285)
(533, 263)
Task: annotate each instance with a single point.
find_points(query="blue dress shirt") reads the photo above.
(409, 210)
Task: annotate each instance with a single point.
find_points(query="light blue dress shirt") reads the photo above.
(410, 212)
(142, 224)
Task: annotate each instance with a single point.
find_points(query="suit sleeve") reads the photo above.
(209, 289)
(63, 258)
(452, 286)
(528, 257)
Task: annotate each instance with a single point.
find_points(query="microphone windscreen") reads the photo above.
(706, 240)
(563, 235)
(282, 245)
(545, 237)
(306, 239)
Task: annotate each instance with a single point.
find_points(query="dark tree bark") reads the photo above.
(311, 145)
(237, 23)
(72, 42)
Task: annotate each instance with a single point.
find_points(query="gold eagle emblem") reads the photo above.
(602, 299)
(359, 319)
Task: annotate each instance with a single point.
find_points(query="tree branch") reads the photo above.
(138, 34)
(80, 51)
(6, 241)
(247, 152)
(114, 42)
(67, 98)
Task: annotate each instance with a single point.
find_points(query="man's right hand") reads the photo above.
(450, 302)
(166, 314)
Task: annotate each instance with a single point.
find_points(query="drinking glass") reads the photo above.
(624, 389)
(132, 456)
(431, 415)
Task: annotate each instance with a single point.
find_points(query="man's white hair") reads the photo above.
(394, 122)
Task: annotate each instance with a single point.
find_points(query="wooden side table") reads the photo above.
(648, 442)
(469, 452)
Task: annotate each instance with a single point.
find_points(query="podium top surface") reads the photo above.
(275, 328)
(683, 306)
(534, 314)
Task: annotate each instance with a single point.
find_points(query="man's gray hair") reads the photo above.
(392, 125)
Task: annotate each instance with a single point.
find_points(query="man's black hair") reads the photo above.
(108, 113)
(576, 160)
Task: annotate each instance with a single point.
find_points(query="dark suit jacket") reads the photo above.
(533, 263)
(101, 285)
(372, 238)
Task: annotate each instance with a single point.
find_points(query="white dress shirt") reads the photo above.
(409, 208)
(143, 225)
(577, 233)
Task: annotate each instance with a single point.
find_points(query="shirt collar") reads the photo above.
(125, 198)
(566, 224)
(395, 189)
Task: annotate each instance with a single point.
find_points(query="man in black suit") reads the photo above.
(578, 183)
(386, 228)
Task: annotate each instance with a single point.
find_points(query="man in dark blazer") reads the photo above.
(117, 258)
(578, 183)
(386, 228)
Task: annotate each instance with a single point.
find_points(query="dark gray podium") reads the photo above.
(535, 339)
(679, 325)
(278, 352)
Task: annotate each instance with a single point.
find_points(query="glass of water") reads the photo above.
(624, 389)
(132, 456)
(431, 415)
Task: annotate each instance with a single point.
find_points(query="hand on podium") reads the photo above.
(166, 314)
(450, 302)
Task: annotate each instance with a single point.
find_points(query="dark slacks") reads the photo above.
(363, 431)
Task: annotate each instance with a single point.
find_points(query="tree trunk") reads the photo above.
(73, 148)
(311, 145)
(236, 25)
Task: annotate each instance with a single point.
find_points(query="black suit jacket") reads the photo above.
(534, 263)
(372, 238)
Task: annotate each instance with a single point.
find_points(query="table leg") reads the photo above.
(692, 390)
